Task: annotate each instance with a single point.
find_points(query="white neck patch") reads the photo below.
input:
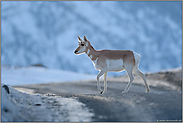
(88, 51)
(86, 44)
(91, 56)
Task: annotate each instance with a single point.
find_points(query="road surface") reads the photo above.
(160, 104)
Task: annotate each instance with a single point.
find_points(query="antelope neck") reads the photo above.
(91, 52)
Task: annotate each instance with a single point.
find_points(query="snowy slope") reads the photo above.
(38, 75)
(21, 107)
(46, 32)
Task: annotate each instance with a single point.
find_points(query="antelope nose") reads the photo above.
(75, 51)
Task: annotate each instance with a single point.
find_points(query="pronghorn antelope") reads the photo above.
(111, 60)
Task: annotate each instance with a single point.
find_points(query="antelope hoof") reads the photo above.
(101, 92)
(147, 90)
(124, 92)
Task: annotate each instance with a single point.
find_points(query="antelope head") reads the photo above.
(82, 44)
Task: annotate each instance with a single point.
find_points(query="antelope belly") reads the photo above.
(115, 65)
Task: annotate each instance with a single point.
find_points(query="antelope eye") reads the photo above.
(82, 44)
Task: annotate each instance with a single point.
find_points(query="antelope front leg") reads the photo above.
(98, 82)
(105, 82)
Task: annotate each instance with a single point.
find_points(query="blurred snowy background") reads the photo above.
(46, 32)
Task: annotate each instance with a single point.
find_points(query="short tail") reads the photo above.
(137, 59)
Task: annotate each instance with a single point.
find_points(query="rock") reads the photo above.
(6, 88)
(39, 65)
(37, 104)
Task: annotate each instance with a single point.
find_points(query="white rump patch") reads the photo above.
(137, 58)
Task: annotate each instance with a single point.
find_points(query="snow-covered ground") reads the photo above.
(167, 70)
(18, 106)
(38, 75)
(26, 106)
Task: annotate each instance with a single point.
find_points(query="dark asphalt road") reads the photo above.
(136, 105)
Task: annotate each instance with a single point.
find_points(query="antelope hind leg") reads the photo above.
(139, 73)
(129, 72)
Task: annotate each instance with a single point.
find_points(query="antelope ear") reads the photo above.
(79, 39)
(85, 39)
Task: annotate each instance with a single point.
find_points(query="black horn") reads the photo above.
(85, 39)
(79, 38)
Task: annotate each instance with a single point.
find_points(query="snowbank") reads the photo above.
(166, 70)
(18, 106)
(38, 75)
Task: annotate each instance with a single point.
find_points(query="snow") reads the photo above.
(167, 70)
(18, 107)
(7, 104)
(38, 75)
(172, 70)
(76, 110)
